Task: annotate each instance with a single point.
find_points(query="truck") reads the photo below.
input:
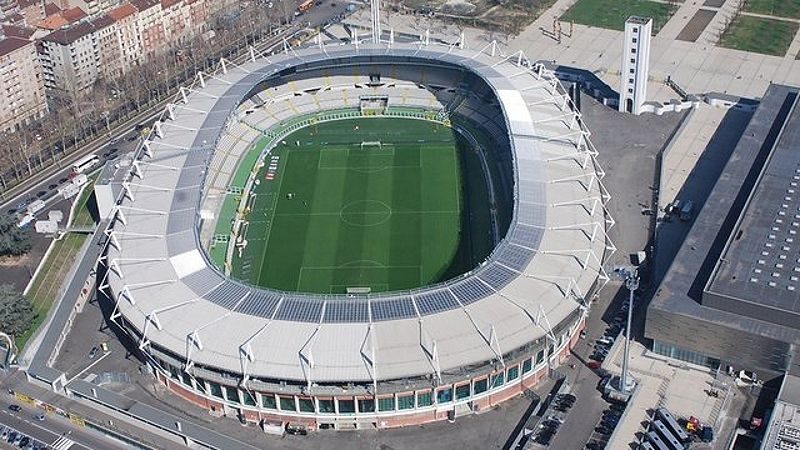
(686, 211)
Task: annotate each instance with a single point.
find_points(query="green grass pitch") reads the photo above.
(612, 14)
(387, 217)
(755, 34)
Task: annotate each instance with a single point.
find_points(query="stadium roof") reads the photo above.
(535, 279)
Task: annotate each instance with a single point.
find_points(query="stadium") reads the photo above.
(361, 235)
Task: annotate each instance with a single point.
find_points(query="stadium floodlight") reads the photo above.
(630, 275)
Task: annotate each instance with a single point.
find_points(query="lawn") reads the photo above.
(47, 284)
(612, 14)
(84, 208)
(754, 34)
(777, 8)
(335, 215)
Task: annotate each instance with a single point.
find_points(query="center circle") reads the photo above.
(365, 213)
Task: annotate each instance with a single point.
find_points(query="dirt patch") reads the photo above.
(694, 28)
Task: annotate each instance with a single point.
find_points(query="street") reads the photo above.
(54, 431)
(44, 184)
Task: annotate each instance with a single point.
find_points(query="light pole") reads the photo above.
(631, 277)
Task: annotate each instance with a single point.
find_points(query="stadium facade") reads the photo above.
(379, 360)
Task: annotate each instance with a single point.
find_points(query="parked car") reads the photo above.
(93, 352)
(15, 408)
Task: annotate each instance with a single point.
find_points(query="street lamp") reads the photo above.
(631, 277)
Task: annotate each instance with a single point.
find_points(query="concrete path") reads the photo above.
(794, 48)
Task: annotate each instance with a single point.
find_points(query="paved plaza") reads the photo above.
(698, 67)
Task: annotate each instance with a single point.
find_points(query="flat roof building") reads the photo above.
(732, 294)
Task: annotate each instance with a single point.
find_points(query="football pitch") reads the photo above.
(362, 203)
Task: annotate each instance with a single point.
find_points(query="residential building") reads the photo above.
(32, 10)
(150, 27)
(70, 59)
(21, 84)
(128, 39)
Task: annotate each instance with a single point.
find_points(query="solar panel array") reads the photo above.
(470, 290)
(435, 301)
(393, 309)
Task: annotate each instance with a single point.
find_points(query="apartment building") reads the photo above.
(21, 83)
(93, 8)
(70, 60)
(151, 26)
(107, 46)
(128, 40)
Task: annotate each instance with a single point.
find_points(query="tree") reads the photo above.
(16, 312)
(13, 240)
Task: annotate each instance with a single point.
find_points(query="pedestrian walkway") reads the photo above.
(62, 443)
(794, 48)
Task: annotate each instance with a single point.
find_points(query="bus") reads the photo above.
(84, 163)
(672, 425)
(305, 6)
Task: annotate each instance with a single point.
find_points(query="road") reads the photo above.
(44, 184)
(54, 431)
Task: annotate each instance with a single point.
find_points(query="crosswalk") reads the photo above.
(61, 443)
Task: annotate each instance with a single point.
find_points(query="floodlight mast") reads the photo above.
(375, 9)
(631, 277)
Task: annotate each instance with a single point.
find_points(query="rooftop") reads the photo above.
(761, 262)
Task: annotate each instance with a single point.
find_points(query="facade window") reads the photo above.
(635, 29)
(248, 399)
(287, 403)
(630, 80)
(216, 390)
(633, 60)
(540, 357)
(405, 401)
(633, 50)
(366, 405)
(187, 380)
(630, 91)
(634, 40)
(462, 391)
(512, 373)
(326, 406)
(268, 401)
(444, 396)
(527, 365)
(497, 380)
(481, 386)
(631, 71)
(386, 404)
(347, 406)
(306, 404)
(423, 399)
(232, 394)
(682, 354)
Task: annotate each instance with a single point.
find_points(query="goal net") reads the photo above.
(371, 145)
